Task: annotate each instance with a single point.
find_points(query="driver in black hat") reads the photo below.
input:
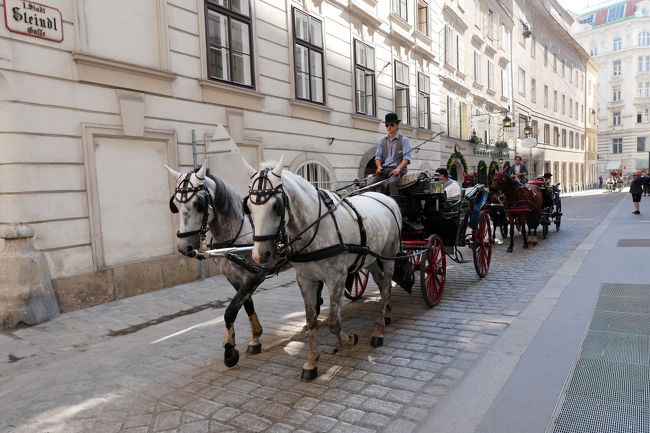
(392, 156)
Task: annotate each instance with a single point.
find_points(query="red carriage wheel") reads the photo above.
(433, 271)
(482, 250)
(415, 260)
(358, 285)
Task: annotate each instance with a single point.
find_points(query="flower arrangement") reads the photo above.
(501, 144)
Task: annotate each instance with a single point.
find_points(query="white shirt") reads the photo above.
(453, 190)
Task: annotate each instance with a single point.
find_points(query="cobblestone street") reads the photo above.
(154, 362)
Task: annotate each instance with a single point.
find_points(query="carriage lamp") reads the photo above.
(526, 31)
(507, 122)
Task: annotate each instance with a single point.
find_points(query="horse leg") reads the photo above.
(244, 290)
(383, 280)
(309, 290)
(254, 346)
(523, 231)
(512, 234)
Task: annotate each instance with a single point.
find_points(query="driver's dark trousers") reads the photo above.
(392, 182)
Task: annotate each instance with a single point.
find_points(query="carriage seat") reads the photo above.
(411, 178)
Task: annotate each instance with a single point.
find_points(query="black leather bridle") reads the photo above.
(184, 192)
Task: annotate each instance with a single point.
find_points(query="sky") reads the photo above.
(583, 5)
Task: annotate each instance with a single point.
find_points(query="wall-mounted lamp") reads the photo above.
(507, 122)
(528, 130)
(526, 31)
(593, 111)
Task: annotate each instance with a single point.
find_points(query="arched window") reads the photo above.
(316, 173)
(644, 39)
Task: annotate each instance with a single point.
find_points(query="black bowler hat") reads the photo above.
(548, 175)
(391, 118)
(443, 171)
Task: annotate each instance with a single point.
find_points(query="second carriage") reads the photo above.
(439, 226)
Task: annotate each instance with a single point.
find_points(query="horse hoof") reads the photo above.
(254, 350)
(230, 356)
(387, 321)
(309, 375)
(509, 250)
(377, 341)
(355, 339)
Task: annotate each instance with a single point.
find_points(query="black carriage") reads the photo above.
(439, 226)
(551, 212)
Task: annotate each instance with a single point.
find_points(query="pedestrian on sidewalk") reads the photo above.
(645, 180)
(600, 182)
(636, 189)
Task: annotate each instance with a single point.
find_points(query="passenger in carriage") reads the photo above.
(392, 156)
(452, 188)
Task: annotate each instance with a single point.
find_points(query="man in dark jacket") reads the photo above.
(636, 189)
(519, 171)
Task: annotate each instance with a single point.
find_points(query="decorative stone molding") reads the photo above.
(26, 295)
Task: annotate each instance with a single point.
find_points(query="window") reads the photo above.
(570, 140)
(616, 65)
(505, 84)
(593, 51)
(490, 71)
(477, 66)
(642, 115)
(640, 144)
(402, 91)
(556, 136)
(577, 110)
(586, 19)
(615, 12)
(521, 81)
(506, 38)
(554, 100)
(423, 17)
(477, 13)
(523, 28)
(424, 101)
(316, 174)
(308, 57)
(570, 107)
(400, 7)
(554, 63)
(563, 68)
(643, 90)
(617, 145)
(489, 30)
(533, 47)
(644, 39)
(563, 137)
(545, 57)
(643, 64)
(229, 43)
(563, 104)
(453, 117)
(533, 90)
(454, 49)
(364, 78)
(616, 93)
(533, 124)
(616, 44)
(547, 134)
(616, 118)
(545, 96)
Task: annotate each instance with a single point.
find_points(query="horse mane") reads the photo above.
(226, 199)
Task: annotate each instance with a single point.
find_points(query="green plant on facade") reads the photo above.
(451, 164)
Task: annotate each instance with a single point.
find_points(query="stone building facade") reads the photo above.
(97, 96)
(618, 38)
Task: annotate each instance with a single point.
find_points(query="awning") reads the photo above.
(614, 165)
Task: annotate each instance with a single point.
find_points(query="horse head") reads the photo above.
(499, 180)
(267, 204)
(194, 203)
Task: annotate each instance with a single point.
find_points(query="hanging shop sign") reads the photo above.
(34, 19)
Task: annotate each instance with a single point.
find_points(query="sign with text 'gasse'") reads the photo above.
(34, 19)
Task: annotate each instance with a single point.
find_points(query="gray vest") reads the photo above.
(399, 151)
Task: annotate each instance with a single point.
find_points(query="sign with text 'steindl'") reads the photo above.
(34, 19)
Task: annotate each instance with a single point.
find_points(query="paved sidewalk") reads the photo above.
(520, 384)
(154, 362)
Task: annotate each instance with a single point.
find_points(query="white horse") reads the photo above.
(289, 216)
(206, 203)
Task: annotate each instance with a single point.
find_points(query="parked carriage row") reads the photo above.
(376, 235)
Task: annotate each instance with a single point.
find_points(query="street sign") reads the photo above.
(529, 142)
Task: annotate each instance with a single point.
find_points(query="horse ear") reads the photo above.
(173, 172)
(201, 173)
(251, 170)
(278, 168)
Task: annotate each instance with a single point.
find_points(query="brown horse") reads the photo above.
(522, 202)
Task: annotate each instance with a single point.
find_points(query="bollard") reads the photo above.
(26, 295)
